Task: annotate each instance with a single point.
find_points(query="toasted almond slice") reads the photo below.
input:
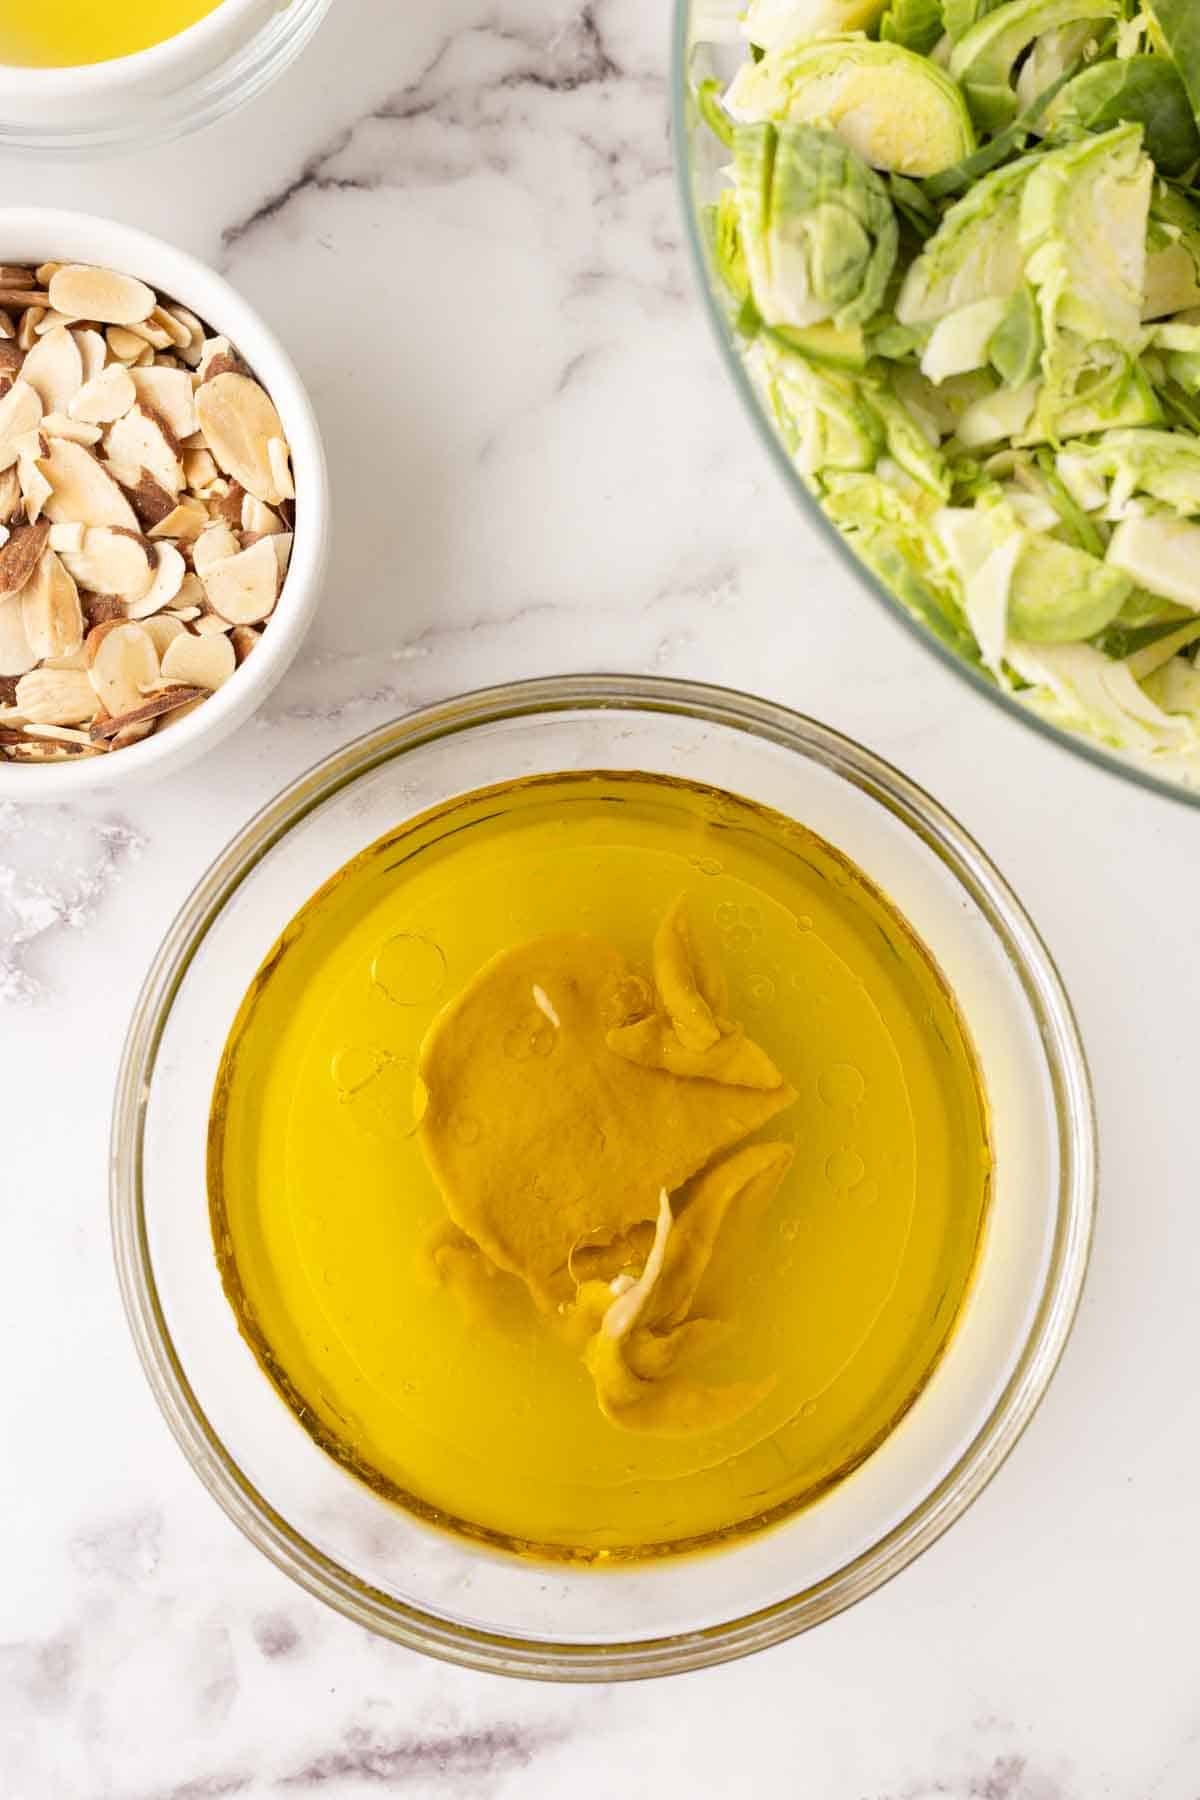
(142, 440)
(60, 734)
(259, 518)
(16, 275)
(18, 559)
(184, 523)
(77, 430)
(244, 588)
(281, 544)
(169, 394)
(151, 333)
(27, 329)
(129, 734)
(124, 345)
(45, 273)
(244, 638)
(162, 629)
(57, 697)
(101, 294)
(67, 536)
(150, 501)
(10, 495)
(93, 351)
(54, 368)
(33, 752)
(116, 562)
(20, 413)
(168, 579)
(216, 358)
(76, 660)
(107, 397)
(50, 609)
(167, 700)
(204, 662)
(98, 610)
(179, 333)
(216, 544)
(238, 419)
(17, 655)
(7, 327)
(125, 659)
(51, 321)
(280, 459)
(35, 489)
(83, 490)
(199, 470)
(188, 614)
(211, 624)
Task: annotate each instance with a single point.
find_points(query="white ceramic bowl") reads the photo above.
(34, 235)
(174, 87)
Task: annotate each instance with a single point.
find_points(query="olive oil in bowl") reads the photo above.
(64, 34)
(469, 1035)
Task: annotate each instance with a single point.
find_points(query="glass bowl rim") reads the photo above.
(494, 1652)
(1109, 760)
(250, 65)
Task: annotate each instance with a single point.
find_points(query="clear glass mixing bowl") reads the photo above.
(706, 44)
(485, 1608)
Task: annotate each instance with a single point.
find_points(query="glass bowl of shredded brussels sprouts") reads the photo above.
(952, 249)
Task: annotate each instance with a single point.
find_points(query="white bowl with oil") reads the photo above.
(173, 87)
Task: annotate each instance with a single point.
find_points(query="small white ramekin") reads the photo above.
(174, 87)
(35, 235)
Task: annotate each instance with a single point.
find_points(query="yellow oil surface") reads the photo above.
(839, 1296)
(61, 34)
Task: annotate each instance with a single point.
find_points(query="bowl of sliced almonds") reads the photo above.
(164, 510)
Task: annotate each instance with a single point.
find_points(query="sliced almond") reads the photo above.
(16, 654)
(125, 661)
(281, 544)
(216, 544)
(151, 333)
(167, 700)
(204, 662)
(67, 536)
(35, 489)
(50, 609)
(217, 357)
(101, 294)
(106, 398)
(77, 660)
(7, 327)
(45, 271)
(150, 501)
(199, 470)
(27, 329)
(168, 579)
(162, 630)
(57, 697)
(184, 523)
(124, 345)
(20, 413)
(60, 425)
(188, 614)
(129, 734)
(142, 439)
(210, 624)
(259, 518)
(244, 638)
(170, 394)
(82, 490)
(54, 369)
(118, 562)
(244, 588)
(239, 420)
(60, 734)
(179, 333)
(10, 496)
(280, 459)
(53, 321)
(18, 559)
(93, 351)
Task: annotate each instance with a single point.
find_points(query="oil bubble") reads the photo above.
(389, 1104)
(707, 865)
(410, 969)
(532, 1038)
(761, 990)
(739, 938)
(726, 915)
(751, 918)
(844, 1169)
(804, 923)
(841, 1084)
(808, 1409)
(354, 1065)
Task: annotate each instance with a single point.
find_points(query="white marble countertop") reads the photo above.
(461, 219)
